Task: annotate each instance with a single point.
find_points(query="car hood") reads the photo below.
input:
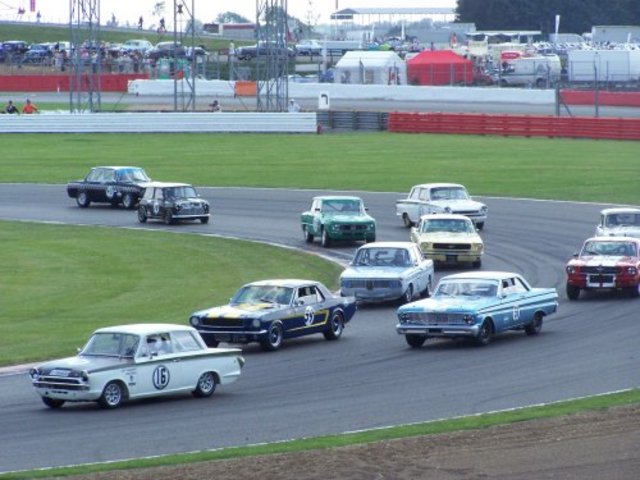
(631, 231)
(375, 272)
(602, 260)
(241, 310)
(460, 205)
(449, 237)
(83, 362)
(444, 304)
(346, 218)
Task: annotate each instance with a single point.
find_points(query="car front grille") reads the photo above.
(452, 246)
(223, 322)
(59, 383)
(600, 270)
(351, 228)
(424, 318)
(371, 284)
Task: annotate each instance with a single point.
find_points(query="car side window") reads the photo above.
(109, 176)
(424, 194)
(519, 286)
(159, 344)
(94, 175)
(158, 194)
(184, 342)
(309, 295)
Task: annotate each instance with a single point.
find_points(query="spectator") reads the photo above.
(29, 108)
(11, 108)
(140, 22)
(293, 106)
(215, 106)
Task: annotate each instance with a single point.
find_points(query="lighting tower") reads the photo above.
(184, 72)
(85, 55)
(272, 58)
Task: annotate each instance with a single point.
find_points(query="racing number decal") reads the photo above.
(516, 312)
(156, 208)
(160, 377)
(111, 191)
(309, 314)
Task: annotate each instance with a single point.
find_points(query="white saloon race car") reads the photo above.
(136, 361)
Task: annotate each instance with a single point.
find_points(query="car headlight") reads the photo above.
(372, 226)
(403, 317)
(195, 321)
(484, 209)
(255, 323)
(468, 319)
(34, 373)
(345, 283)
(632, 270)
(205, 207)
(477, 247)
(425, 246)
(571, 269)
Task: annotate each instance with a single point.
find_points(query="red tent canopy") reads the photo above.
(439, 67)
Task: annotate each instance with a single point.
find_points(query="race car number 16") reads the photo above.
(160, 377)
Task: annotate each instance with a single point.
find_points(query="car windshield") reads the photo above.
(467, 288)
(111, 345)
(449, 193)
(341, 206)
(133, 175)
(447, 225)
(263, 294)
(623, 220)
(382, 257)
(610, 248)
(180, 192)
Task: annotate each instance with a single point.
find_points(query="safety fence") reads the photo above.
(62, 82)
(516, 125)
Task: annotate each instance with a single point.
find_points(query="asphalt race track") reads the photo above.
(370, 378)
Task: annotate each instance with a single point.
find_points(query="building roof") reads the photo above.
(349, 13)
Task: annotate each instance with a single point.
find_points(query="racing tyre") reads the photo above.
(306, 234)
(206, 385)
(112, 395)
(480, 225)
(634, 292)
(426, 293)
(406, 220)
(408, 295)
(573, 292)
(326, 241)
(336, 326)
(484, 336)
(477, 264)
(204, 220)
(83, 200)
(415, 341)
(168, 217)
(128, 202)
(535, 326)
(142, 215)
(52, 402)
(274, 338)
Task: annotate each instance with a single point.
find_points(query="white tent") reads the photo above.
(371, 67)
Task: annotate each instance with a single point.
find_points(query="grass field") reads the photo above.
(583, 170)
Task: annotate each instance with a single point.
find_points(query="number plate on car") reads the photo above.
(58, 372)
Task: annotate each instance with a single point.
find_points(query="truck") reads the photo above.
(612, 66)
(428, 198)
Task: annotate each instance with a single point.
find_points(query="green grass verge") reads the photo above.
(583, 170)
(69, 280)
(600, 402)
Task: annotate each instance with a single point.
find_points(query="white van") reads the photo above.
(540, 71)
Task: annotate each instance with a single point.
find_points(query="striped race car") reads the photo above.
(270, 311)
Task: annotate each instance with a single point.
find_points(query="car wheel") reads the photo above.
(415, 341)
(274, 337)
(427, 290)
(52, 402)
(168, 217)
(484, 336)
(634, 292)
(128, 202)
(336, 326)
(112, 395)
(326, 240)
(408, 295)
(83, 200)
(480, 225)
(573, 292)
(535, 326)
(308, 237)
(477, 264)
(204, 220)
(206, 385)
(406, 220)
(370, 239)
(142, 215)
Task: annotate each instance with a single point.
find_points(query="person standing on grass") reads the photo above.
(29, 108)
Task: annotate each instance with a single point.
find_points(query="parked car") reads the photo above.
(448, 238)
(335, 218)
(166, 50)
(440, 198)
(605, 263)
(136, 45)
(387, 271)
(270, 311)
(619, 222)
(171, 202)
(112, 185)
(136, 361)
(309, 47)
(477, 305)
(38, 53)
(249, 52)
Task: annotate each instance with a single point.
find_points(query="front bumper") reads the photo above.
(232, 336)
(439, 330)
(374, 294)
(452, 257)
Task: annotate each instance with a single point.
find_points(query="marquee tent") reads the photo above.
(439, 67)
(371, 67)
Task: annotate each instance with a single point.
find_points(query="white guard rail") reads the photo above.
(166, 122)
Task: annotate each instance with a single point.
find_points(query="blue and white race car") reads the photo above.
(477, 305)
(270, 311)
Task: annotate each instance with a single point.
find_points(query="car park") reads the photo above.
(136, 361)
(270, 311)
(383, 271)
(447, 238)
(477, 305)
(171, 202)
(619, 222)
(440, 198)
(337, 218)
(110, 184)
(605, 263)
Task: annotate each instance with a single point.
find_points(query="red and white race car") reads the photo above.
(605, 263)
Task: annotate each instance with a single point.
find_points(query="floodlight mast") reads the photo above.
(184, 73)
(272, 55)
(85, 56)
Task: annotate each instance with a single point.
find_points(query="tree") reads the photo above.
(231, 17)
